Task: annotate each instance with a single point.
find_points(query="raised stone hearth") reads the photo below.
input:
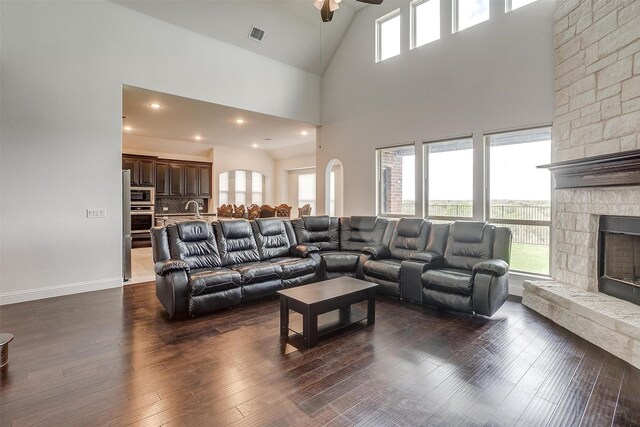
(608, 322)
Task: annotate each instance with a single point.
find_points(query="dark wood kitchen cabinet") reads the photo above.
(162, 179)
(142, 169)
(204, 176)
(176, 178)
(191, 180)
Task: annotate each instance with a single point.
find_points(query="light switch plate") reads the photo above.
(96, 213)
(165, 209)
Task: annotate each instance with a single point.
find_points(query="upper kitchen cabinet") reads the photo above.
(176, 179)
(162, 179)
(142, 168)
(191, 180)
(204, 177)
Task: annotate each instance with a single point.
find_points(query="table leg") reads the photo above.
(371, 309)
(284, 316)
(345, 315)
(310, 328)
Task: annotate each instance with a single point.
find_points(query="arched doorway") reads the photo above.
(334, 179)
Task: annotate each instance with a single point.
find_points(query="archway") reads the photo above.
(333, 184)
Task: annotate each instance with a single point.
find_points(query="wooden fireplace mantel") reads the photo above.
(598, 171)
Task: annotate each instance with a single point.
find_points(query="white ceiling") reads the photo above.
(295, 34)
(181, 119)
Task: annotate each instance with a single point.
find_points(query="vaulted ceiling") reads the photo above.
(294, 32)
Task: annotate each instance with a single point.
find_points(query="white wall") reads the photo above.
(493, 76)
(166, 148)
(63, 67)
(282, 183)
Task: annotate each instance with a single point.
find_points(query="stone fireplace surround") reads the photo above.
(597, 111)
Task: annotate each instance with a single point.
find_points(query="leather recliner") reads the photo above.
(474, 274)
(190, 276)
(356, 233)
(276, 242)
(382, 264)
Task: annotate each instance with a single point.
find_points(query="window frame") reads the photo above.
(378, 198)
(413, 24)
(508, 5)
(378, 24)
(455, 17)
(487, 197)
(425, 180)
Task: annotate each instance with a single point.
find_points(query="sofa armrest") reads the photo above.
(163, 268)
(303, 251)
(377, 252)
(495, 267)
(428, 257)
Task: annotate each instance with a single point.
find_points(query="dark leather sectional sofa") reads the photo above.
(202, 267)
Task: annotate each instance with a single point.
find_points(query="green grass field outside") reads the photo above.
(530, 258)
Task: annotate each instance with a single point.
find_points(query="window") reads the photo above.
(307, 190)
(332, 193)
(425, 22)
(388, 36)
(467, 13)
(223, 193)
(510, 5)
(396, 180)
(257, 186)
(240, 187)
(448, 167)
(519, 194)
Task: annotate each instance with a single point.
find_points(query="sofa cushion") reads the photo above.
(194, 243)
(357, 232)
(320, 231)
(271, 238)
(253, 272)
(449, 280)
(409, 237)
(207, 281)
(340, 261)
(475, 244)
(296, 267)
(385, 269)
(236, 242)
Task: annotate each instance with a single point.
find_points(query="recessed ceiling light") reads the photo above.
(128, 128)
(154, 106)
(239, 121)
(267, 139)
(198, 137)
(254, 145)
(304, 133)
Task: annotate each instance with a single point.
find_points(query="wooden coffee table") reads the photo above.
(325, 297)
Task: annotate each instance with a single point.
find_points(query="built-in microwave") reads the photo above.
(142, 195)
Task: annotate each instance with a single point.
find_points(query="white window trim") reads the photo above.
(378, 24)
(379, 183)
(412, 23)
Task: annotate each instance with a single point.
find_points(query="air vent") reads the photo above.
(256, 34)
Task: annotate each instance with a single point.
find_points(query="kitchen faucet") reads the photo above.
(197, 207)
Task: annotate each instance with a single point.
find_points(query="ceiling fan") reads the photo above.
(326, 7)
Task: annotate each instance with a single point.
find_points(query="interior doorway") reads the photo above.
(334, 182)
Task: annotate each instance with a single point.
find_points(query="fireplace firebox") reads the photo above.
(619, 257)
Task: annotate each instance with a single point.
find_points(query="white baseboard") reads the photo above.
(58, 290)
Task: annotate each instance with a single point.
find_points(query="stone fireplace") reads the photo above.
(597, 112)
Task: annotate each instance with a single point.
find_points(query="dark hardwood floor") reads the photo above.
(112, 357)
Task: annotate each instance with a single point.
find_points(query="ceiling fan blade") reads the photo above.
(370, 1)
(326, 13)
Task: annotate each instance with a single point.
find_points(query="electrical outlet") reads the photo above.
(97, 213)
